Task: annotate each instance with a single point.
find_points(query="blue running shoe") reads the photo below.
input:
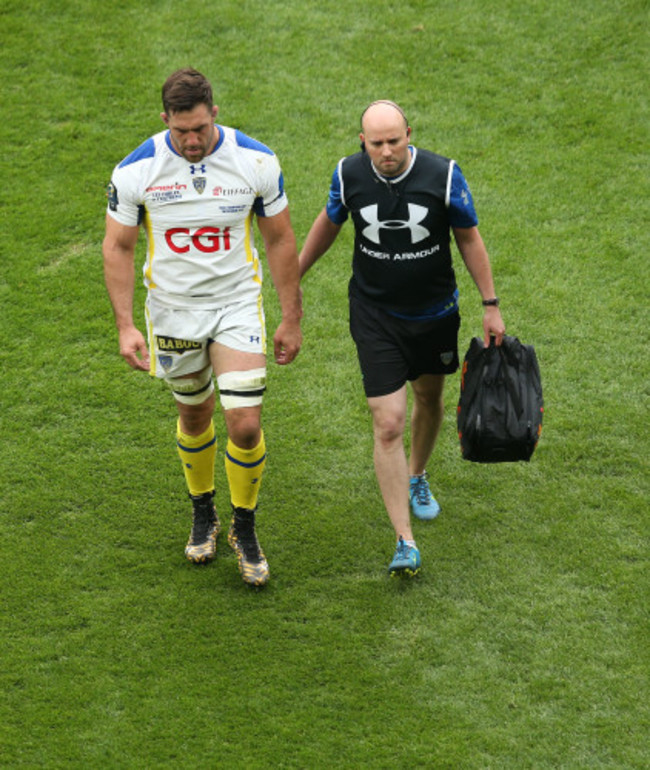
(423, 503)
(406, 560)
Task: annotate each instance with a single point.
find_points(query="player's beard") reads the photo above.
(197, 152)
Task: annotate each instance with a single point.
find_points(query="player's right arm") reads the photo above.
(119, 274)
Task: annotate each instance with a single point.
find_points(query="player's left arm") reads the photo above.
(282, 258)
(476, 259)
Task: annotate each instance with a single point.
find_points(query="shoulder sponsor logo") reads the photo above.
(111, 194)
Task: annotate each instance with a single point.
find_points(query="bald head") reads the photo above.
(385, 136)
(383, 109)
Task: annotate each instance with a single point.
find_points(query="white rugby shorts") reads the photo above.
(179, 338)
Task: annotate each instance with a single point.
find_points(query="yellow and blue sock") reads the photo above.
(197, 454)
(244, 469)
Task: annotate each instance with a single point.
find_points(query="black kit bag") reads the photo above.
(500, 409)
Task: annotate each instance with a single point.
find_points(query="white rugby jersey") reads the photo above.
(198, 217)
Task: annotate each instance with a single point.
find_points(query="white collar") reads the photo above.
(395, 179)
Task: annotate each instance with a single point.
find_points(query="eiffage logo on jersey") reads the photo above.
(206, 239)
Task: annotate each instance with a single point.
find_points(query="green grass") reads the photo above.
(524, 644)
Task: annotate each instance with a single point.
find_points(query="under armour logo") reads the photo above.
(416, 215)
(197, 170)
(254, 338)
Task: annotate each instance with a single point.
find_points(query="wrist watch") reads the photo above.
(494, 302)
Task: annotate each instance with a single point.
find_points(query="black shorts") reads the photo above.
(393, 350)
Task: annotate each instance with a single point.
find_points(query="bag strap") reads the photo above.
(511, 383)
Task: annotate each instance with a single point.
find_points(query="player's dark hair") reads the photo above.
(185, 89)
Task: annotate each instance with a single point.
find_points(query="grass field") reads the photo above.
(524, 643)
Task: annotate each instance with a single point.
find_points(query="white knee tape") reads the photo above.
(238, 389)
(192, 390)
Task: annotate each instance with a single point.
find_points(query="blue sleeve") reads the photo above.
(335, 208)
(461, 206)
(145, 150)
